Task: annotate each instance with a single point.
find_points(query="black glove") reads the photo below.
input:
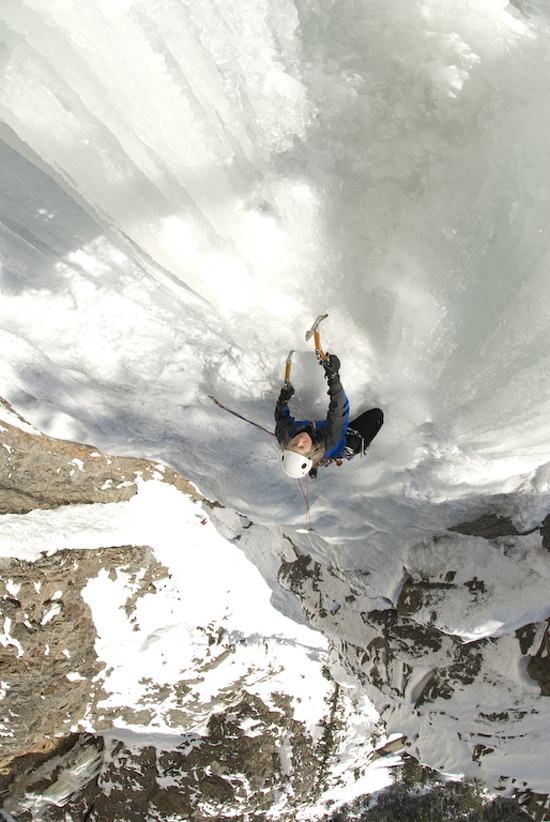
(287, 392)
(331, 366)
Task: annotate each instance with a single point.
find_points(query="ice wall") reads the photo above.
(186, 185)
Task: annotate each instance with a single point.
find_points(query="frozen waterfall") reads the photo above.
(185, 185)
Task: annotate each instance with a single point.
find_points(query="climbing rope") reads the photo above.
(255, 424)
(241, 417)
(306, 499)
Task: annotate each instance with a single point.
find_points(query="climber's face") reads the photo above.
(301, 443)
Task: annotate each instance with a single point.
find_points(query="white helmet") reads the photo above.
(296, 465)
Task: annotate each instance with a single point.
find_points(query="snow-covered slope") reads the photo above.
(186, 186)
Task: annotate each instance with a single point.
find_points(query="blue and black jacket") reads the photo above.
(330, 432)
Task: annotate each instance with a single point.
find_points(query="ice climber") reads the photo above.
(306, 445)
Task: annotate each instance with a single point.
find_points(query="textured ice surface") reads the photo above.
(184, 187)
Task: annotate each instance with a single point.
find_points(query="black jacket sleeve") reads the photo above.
(338, 414)
(283, 420)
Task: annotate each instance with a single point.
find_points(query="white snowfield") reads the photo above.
(184, 187)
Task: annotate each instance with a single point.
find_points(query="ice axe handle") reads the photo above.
(318, 350)
(314, 331)
(287, 369)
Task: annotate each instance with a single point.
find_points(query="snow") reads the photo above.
(77, 527)
(169, 630)
(7, 640)
(184, 188)
(8, 415)
(506, 607)
(176, 634)
(54, 610)
(12, 587)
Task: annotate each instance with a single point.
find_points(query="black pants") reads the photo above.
(363, 429)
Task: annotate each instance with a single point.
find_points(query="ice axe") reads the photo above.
(313, 331)
(287, 369)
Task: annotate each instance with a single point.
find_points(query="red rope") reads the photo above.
(307, 501)
(306, 498)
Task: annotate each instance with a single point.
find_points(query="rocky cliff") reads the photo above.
(466, 705)
(71, 751)
(67, 752)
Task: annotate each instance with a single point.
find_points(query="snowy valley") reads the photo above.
(185, 185)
